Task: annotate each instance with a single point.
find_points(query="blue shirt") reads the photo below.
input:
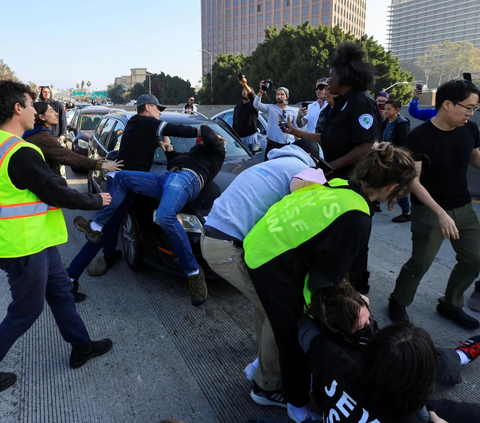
(388, 132)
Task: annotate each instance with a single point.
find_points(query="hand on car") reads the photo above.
(449, 229)
(286, 127)
(114, 166)
(106, 198)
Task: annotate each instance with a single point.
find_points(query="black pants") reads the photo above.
(283, 302)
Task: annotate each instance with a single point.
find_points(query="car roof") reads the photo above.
(96, 109)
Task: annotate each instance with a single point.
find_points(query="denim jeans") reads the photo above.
(174, 190)
(404, 203)
(34, 279)
(108, 241)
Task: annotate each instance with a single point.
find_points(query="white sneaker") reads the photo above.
(299, 415)
(250, 370)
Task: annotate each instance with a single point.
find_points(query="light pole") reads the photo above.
(149, 82)
(396, 83)
(211, 74)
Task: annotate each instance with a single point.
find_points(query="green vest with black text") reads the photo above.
(27, 225)
(299, 217)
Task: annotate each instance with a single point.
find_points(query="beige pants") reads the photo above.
(227, 261)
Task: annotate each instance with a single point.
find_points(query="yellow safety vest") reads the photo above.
(27, 225)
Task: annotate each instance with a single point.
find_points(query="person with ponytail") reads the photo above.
(55, 154)
(317, 230)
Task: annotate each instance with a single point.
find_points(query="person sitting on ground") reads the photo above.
(337, 328)
(56, 155)
(187, 173)
(318, 230)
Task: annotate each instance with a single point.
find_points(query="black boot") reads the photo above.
(7, 380)
(79, 297)
(80, 355)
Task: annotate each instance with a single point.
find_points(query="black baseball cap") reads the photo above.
(150, 99)
(309, 146)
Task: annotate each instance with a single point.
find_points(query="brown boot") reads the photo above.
(198, 287)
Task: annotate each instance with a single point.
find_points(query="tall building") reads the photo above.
(415, 24)
(238, 26)
(137, 76)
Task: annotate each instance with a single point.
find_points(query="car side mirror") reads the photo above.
(112, 155)
(255, 148)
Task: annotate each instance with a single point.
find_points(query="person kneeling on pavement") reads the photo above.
(388, 375)
(187, 173)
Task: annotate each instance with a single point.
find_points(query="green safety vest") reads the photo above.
(27, 225)
(299, 217)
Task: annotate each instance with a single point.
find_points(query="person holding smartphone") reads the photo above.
(245, 116)
(308, 113)
(420, 114)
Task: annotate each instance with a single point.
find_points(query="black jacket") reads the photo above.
(400, 132)
(61, 128)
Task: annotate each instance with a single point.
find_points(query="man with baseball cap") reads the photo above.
(140, 140)
(309, 115)
(275, 137)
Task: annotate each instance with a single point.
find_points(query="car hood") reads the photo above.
(229, 171)
(84, 134)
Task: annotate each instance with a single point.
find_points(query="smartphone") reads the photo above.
(467, 76)
(419, 87)
(304, 104)
(240, 76)
(322, 164)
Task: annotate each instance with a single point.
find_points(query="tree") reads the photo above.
(89, 84)
(294, 57)
(6, 72)
(226, 89)
(33, 86)
(83, 84)
(137, 90)
(51, 86)
(168, 89)
(78, 86)
(115, 93)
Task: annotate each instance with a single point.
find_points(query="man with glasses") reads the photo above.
(443, 147)
(309, 115)
(190, 106)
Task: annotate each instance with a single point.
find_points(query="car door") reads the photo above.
(99, 144)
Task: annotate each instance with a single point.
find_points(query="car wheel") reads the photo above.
(131, 242)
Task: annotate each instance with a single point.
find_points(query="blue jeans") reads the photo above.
(404, 203)
(34, 279)
(108, 241)
(174, 190)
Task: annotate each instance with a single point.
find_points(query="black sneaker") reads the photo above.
(471, 347)
(397, 312)
(7, 380)
(268, 398)
(459, 317)
(111, 260)
(80, 355)
(403, 218)
(83, 225)
(79, 297)
(198, 287)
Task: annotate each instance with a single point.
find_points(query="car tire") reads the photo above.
(131, 242)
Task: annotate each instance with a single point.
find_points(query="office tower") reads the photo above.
(238, 26)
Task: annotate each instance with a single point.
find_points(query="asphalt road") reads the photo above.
(173, 360)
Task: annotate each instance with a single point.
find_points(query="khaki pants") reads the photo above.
(227, 261)
(427, 238)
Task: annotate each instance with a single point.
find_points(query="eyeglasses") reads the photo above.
(320, 87)
(469, 110)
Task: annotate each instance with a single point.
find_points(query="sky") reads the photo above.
(63, 43)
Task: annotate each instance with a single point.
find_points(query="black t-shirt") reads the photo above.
(337, 387)
(357, 122)
(245, 118)
(445, 156)
(141, 139)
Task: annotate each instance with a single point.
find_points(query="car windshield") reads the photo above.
(234, 151)
(89, 121)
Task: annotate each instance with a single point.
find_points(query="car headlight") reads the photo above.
(190, 222)
(82, 144)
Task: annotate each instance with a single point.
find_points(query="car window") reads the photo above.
(228, 117)
(234, 151)
(89, 121)
(116, 137)
(99, 129)
(75, 119)
(104, 135)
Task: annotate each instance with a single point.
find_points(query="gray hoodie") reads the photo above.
(255, 190)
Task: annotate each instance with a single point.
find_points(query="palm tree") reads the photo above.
(78, 86)
(51, 86)
(83, 84)
(89, 84)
